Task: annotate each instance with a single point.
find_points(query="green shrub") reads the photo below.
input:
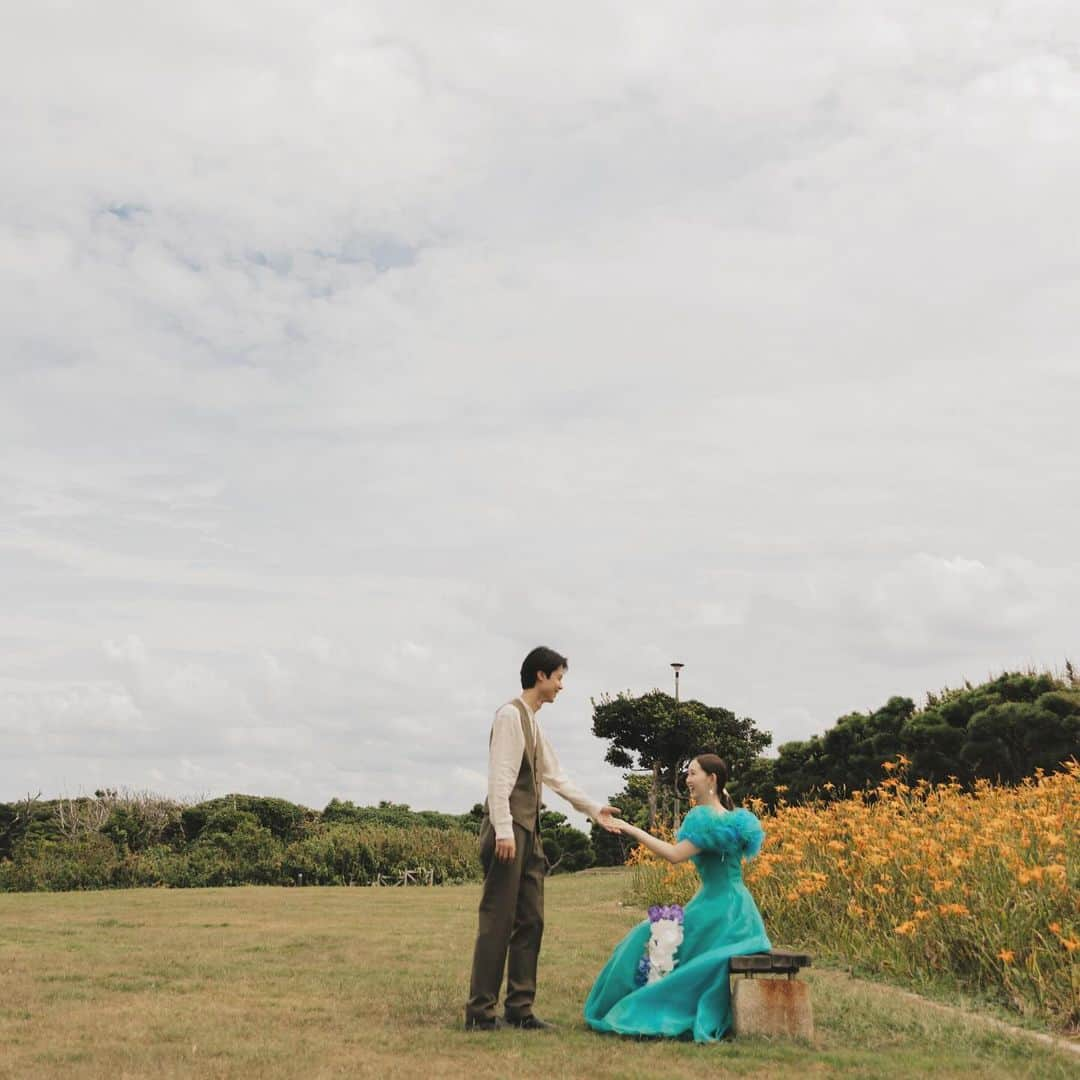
(159, 864)
(452, 855)
(140, 840)
(284, 820)
(135, 827)
(396, 815)
(86, 862)
(29, 818)
(334, 855)
(234, 849)
(344, 853)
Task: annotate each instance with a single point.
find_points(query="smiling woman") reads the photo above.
(692, 997)
(965, 890)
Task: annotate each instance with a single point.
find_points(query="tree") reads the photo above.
(566, 849)
(613, 849)
(1002, 730)
(757, 780)
(859, 743)
(655, 733)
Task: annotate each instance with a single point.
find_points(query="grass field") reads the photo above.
(267, 982)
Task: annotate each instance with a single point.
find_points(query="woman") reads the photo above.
(720, 922)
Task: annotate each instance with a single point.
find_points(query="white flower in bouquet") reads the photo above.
(664, 941)
(665, 937)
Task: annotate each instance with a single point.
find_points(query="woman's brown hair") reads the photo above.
(717, 766)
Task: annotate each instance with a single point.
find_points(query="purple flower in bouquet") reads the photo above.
(671, 912)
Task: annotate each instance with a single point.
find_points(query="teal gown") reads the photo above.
(720, 922)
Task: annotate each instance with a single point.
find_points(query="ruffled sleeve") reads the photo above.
(737, 832)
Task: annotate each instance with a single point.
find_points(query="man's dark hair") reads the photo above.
(540, 659)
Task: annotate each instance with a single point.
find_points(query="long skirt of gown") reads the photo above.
(694, 999)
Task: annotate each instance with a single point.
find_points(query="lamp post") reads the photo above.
(676, 666)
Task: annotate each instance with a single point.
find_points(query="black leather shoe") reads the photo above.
(483, 1023)
(529, 1023)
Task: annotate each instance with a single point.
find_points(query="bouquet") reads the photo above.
(665, 937)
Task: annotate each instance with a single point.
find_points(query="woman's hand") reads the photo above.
(678, 852)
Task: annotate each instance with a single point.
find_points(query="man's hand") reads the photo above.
(606, 818)
(505, 850)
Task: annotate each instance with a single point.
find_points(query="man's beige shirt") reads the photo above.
(504, 763)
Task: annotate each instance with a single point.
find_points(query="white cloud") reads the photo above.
(928, 596)
(131, 650)
(348, 352)
(56, 715)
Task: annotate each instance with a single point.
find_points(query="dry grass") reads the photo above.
(267, 982)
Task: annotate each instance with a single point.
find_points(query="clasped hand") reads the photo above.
(505, 850)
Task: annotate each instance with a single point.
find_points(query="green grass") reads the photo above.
(267, 982)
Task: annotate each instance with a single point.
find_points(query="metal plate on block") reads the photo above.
(778, 961)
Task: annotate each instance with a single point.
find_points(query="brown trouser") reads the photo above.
(511, 920)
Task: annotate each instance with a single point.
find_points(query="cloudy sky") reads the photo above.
(350, 350)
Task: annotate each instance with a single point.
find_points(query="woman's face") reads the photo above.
(699, 783)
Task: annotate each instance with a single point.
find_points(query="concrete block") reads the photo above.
(770, 1006)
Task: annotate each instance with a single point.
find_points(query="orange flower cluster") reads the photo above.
(980, 887)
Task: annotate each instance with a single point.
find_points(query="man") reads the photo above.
(520, 762)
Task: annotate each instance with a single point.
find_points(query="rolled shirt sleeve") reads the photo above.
(555, 778)
(504, 762)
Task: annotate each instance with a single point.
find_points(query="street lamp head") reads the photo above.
(678, 667)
